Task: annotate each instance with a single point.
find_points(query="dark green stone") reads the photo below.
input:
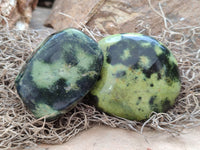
(61, 72)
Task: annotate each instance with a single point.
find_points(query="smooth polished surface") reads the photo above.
(61, 72)
(139, 75)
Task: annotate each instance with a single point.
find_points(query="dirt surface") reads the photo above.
(106, 138)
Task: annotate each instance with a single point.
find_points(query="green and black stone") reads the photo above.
(61, 72)
(139, 76)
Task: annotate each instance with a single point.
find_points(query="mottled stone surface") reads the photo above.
(61, 72)
(139, 75)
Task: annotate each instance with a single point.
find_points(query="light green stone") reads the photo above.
(139, 76)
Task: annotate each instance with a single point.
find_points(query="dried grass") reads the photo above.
(19, 129)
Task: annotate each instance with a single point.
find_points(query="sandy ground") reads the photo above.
(106, 138)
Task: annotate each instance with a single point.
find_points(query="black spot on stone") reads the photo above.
(168, 81)
(57, 97)
(116, 51)
(88, 49)
(120, 74)
(58, 86)
(28, 93)
(159, 76)
(108, 59)
(135, 66)
(173, 72)
(166, 105)
(155, 108)
(151, 101)
(28, 89)
(46, 94)
(81, 70)
(54, 50)
(165, 50)
(171, 69)
(94, 47)
(85, 83)
(153, 69)
(139, 100)
(95, 66)
(70, 58)
(98, 64)
(51, 56)
(155, 42)
(151, 85)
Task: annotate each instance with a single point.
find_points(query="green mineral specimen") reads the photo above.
(139, 76)
(61, 72)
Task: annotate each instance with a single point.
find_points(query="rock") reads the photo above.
(107, 17)
(139, 75)
(61, 72)
(68, 13)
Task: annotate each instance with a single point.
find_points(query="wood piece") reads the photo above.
(121, 16)
(67, 13)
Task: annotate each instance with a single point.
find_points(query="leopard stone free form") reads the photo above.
(139, 76)
(61, 72)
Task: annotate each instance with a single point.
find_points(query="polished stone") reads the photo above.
(61, 72)
(139, 76)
